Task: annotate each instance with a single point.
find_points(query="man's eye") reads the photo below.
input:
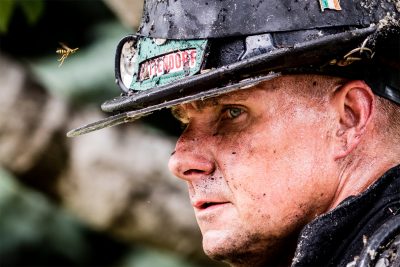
(234, 112)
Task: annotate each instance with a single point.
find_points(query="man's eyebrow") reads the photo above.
(222, 99)
(239, 96)
(180, 114)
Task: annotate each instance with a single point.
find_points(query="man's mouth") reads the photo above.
(202, 205)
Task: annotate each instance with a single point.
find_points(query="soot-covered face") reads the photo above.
(258, 165)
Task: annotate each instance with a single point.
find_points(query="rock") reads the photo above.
(30, 122)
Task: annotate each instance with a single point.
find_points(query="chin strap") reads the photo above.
(382, 80)
(357, 54)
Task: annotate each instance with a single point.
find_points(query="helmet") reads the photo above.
(189, 50)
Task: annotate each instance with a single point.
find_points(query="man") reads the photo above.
(291, 148)
(263, 162)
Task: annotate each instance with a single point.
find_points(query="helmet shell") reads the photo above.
(194, 19)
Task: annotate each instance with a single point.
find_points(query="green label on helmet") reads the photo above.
(163, 61)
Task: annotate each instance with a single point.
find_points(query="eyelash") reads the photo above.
(226, 113)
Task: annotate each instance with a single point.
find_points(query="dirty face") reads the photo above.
(258, 166)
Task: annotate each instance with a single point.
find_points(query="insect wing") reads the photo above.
(64, 46)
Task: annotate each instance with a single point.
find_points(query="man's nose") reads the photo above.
(191, 158)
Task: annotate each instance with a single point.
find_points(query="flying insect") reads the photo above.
(65, 51)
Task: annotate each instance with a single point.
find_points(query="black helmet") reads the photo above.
(189, 50)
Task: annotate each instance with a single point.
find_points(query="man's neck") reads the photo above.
(358, 174)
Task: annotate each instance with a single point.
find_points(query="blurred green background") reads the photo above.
(106, 199)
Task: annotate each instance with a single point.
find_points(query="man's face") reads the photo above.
(258, 166)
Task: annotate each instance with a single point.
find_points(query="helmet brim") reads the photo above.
(130, 116)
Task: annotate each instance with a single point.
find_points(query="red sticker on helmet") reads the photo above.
(168, 63)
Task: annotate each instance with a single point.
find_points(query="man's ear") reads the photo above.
(354, 106)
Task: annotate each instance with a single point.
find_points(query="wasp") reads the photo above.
(65, 51)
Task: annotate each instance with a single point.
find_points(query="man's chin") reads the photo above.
(225, 246)
(216, 240)
(240, 249)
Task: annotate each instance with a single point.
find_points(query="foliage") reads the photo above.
(32, 10)
(36, 232)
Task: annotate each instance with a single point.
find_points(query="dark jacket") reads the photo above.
(338, 237)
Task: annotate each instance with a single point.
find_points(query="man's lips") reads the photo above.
(204, 204)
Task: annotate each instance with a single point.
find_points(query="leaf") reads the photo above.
(32, 9)
(6, 10)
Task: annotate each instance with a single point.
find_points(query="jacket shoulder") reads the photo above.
(382, 249)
